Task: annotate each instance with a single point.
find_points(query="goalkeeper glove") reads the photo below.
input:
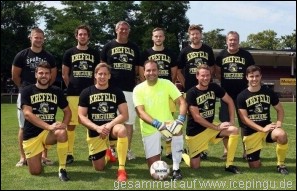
(177, 125)
(161, 126)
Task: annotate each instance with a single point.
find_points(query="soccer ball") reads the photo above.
(159, 170)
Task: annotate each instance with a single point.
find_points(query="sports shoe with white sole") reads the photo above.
(63, 175)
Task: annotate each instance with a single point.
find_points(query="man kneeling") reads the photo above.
(97, 111)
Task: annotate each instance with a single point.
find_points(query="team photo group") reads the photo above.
(108, 92)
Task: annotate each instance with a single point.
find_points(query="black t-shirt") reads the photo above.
(257, 105)
(28, 60)
(81, 64)
(122, 58)
(102, 104)
(189, 59)
(233, 69)
(205, 100)
(44, 103)
(166, 60)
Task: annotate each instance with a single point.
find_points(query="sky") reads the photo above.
(245, 17)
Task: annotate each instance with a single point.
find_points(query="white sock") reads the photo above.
(177, 145)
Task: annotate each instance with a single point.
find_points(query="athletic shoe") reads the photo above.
(203, 155)
(109, 156)
(46, 162)
(232, 169)
(21, 163)
(176, 175)
(69, 159)
(169, 156)
(130, 155)
(122, 176)
(282, 169)
(63, 175)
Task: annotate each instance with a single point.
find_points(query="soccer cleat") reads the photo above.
(130, 155)
(232, 169)
(176, 175)
(63, 175)
(282, 169)
(122, 176)
(21, 163)
(203, 155)
(169, 156)
(69, 159)
(109, 156)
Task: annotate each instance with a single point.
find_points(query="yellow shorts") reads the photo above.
(254, 142)
(36, 145)
(199, 142)
(73, 104)
(96, 144)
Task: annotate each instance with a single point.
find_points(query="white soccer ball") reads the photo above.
(159, 170)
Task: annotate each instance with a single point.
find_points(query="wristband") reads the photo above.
(156, 123)
(182, 118)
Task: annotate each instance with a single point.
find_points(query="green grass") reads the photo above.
(210, 176)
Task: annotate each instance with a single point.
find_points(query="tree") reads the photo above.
(169, 15)
(263, 40)
(17, 18)
(60, 25)
(288, 41)
(125, 11)
(214, 38)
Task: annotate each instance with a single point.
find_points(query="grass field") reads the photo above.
(211, 175)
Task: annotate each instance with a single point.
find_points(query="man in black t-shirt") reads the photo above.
(23, 74)
(231, 64)
(39, 103)
(254, 105)
(77, 72)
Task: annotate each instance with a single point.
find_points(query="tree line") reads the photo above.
(18, 17)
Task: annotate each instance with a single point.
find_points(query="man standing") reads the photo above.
(77, 72)
(166, 60)
(23, 74)
(124, 58)
(254, 105)
(231, 64)
(39, 103)
(192, 56)
(151, 100)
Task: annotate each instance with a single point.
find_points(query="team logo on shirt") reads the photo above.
(161, 64)
(103, 107)
(258, 108)
(123, 58)
(83, 65)
(33, 62)
(198, 61)
(206, 105)
(43, 108)
(233, 67)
